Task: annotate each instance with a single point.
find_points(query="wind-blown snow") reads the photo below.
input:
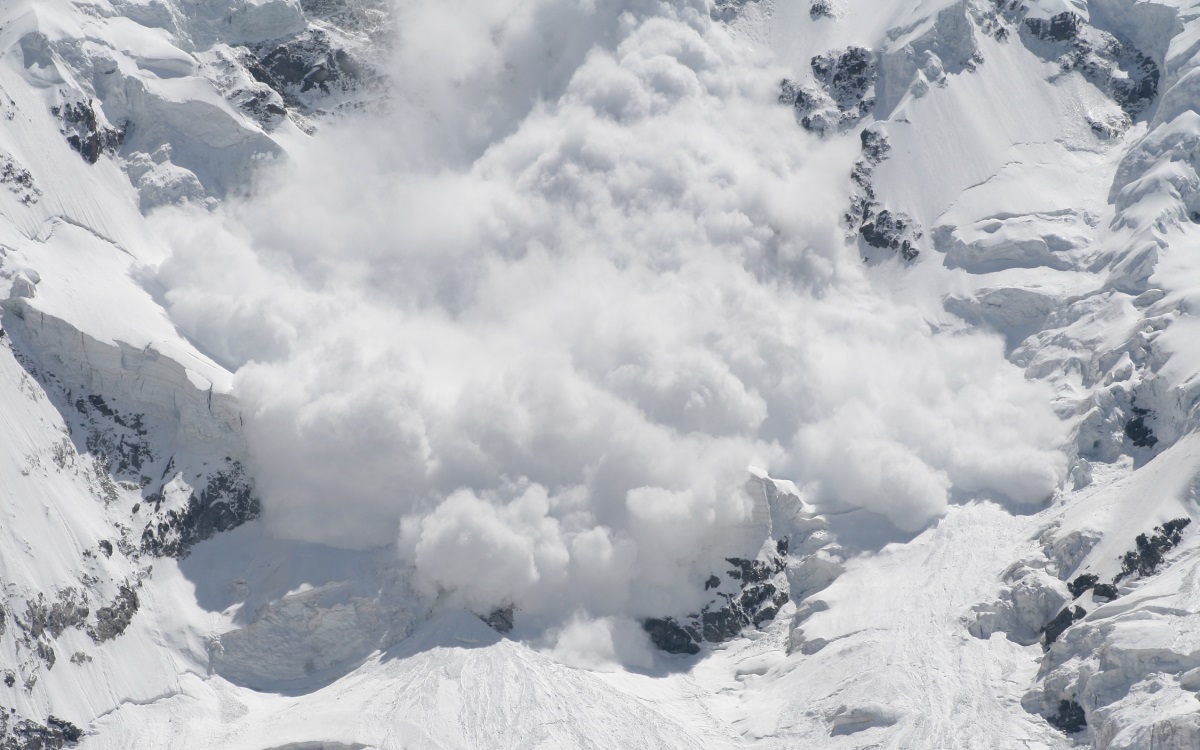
(564, 318)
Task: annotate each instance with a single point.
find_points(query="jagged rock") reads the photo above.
(308, 62)
(46, 653)
(847, 76)
(846, 81)
(1145, 560)
(68, 731)
(721, 625)
(1136, 429)
(25, 734)
(1070, 717)
(761, 592)
(86, 129)
(1113, 65)
(875, 146)
(879, 227)
(821, 9)
(120, 441)
(501, 620)
(1091, 582)
(1065, 619)
(889, 230)
(1060, 28)
(70, 610)
(226, 502)
(111, 621)
(19, 180)
(1082, 583)
(668, 635)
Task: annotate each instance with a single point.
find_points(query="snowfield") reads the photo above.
(385, 374)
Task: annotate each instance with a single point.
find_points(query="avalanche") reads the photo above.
(660, 373)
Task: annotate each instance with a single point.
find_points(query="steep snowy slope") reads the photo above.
(384, 375)
(1065, 220)
(123, 443)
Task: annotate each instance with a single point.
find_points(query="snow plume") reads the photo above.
(537, 322)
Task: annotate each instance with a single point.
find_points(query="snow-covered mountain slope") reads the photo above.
(385, 375)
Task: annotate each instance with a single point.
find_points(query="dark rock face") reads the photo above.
(875, 147)
(1144, 560)
(226, 502)
(263, 104)
(1070, 717)
(19, 180)
(308, 63)
(891, 231)
(56, 733)
(760, 593)
(879, 227)
(111, 449)
(118, 441)
(366, 17)
(1091, 582)
(500, 620)
(863, 201)
(1113, 65)
(1138, 432)
(45, 621)
(1082, 583)
(759, 600)
(821, 9)
(70, 610)
(112, 620)
(847, 76)
(845, 93)
(1065, 619)
(804, 100)
(1061, 28)
(1141, 561)
(120, 454)
(86, 130)
(668, 635)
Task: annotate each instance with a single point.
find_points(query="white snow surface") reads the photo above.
(514, 338)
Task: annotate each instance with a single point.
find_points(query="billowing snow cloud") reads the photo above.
(537, 321)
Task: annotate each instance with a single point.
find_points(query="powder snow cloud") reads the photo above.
(537, 320)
